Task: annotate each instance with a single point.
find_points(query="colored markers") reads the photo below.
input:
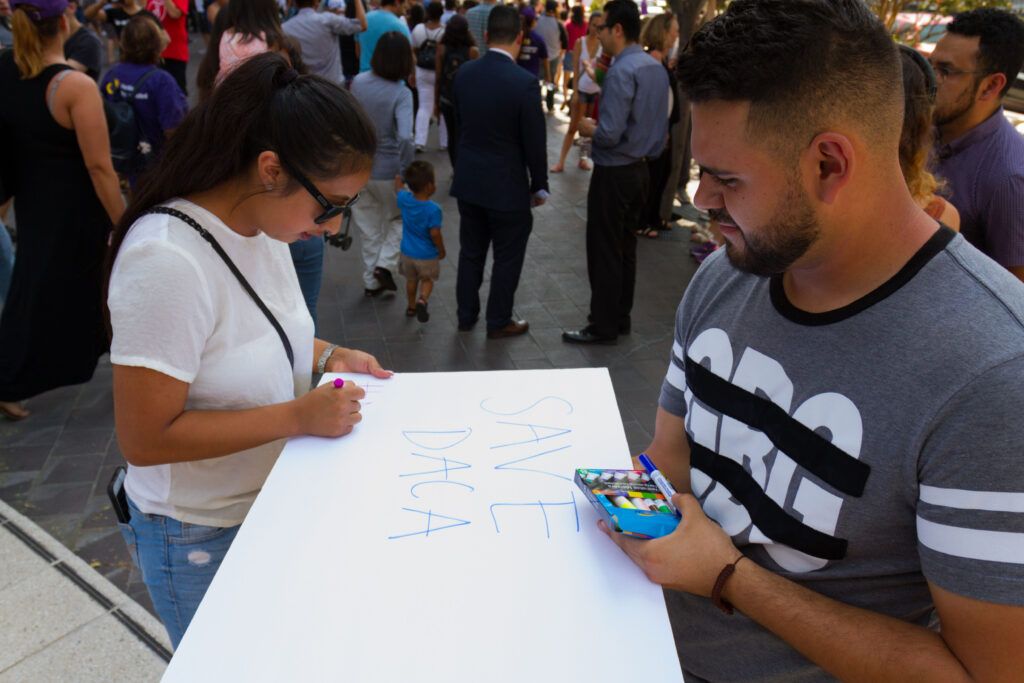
(660, 480)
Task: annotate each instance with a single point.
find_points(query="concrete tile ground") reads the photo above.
(55, 465)
(61, 621)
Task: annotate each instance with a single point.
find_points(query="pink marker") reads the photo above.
(339, 383)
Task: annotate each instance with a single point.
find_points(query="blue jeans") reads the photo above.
(6, 261)
(178, 561)
(308, 258)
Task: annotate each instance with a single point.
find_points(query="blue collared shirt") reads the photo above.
(633, 120)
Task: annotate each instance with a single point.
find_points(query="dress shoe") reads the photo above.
(466, 326)
(624, 328)
(586, 336)
(384, 277)
(513, 329)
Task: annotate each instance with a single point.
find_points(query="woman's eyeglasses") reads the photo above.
(331, 210)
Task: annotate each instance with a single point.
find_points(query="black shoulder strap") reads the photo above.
(205, 234)
(142, 79)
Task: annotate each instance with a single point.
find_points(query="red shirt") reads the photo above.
(575, 33)
(178, 49)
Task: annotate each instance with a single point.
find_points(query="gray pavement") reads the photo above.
(55, 465)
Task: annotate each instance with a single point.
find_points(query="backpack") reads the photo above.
(426, 55)
(131, 152)
(453, 59)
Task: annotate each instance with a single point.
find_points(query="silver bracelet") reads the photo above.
(321, 364)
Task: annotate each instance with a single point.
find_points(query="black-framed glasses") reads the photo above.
(331, 210)
(944, 72)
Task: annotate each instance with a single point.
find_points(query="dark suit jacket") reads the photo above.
(502, 155)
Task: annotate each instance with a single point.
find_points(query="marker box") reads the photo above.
(628, 501)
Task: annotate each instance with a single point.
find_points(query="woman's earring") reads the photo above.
(270, 186)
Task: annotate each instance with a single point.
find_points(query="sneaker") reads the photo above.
(421, 148)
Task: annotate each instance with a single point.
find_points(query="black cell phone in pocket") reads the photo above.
(118, 499)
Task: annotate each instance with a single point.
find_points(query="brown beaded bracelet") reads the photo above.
(716, 593)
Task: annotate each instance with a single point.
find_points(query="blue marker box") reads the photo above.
(628, 501)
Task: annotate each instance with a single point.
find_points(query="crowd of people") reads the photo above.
(842, 398)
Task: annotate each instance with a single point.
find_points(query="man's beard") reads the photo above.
(957, 108)
(774, 247)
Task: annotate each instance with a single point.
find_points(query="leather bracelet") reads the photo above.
(321, 365)
(716, 593)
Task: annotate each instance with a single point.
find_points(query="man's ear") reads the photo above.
(830, 157)
(991, 86)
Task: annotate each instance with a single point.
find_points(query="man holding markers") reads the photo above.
(848, 472)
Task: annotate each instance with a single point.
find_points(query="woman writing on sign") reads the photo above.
(213, 346)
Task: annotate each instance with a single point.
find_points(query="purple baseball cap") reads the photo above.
(38, 10)
(529, 13)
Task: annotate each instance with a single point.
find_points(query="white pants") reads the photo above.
(379, 221)
(425, 88)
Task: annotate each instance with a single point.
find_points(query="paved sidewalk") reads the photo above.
(62, 621)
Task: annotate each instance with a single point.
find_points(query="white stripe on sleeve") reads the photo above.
(974, 544)
(677, 351)
(963, 499)
(676, 377)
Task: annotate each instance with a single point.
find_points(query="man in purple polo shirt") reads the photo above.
(979, 152)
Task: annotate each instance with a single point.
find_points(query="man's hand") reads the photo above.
(587, 126)
(690, 558)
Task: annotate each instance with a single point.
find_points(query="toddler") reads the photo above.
(422, 246)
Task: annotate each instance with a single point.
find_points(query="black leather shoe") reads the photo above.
(466, 326)
(586, 336)
(513, 329)
(624, 328)
(386, 280)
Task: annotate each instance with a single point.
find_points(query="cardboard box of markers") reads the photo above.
(628, 501)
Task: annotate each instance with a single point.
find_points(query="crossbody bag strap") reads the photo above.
(205, 234)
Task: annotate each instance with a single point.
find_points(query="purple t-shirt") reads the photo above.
(533, 50)
(984, 168)
(160, 105)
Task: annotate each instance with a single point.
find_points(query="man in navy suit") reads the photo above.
(500, 173)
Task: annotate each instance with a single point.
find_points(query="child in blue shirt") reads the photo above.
(422, 246)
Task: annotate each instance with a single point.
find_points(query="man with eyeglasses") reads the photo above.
(979, 152)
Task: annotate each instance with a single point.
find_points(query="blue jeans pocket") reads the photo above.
(129, 540)
(197, 533)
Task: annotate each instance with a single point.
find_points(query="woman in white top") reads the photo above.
(426, 38)
(207, 384)
(584, 55)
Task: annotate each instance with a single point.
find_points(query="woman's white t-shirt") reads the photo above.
(176, 308)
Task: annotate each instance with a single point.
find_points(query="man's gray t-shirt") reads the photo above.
(858, 452)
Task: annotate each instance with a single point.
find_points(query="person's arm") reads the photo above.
(438, 61)
(403, 127)
(399, 184)
(979, 641)
(360, 13)
(616, 96)
(348, 360)
(577, 50)
(174, 10)
(96, 11)
(154, 428)
(85, 110)
(340, 25)
(435, 237)
(533, 138)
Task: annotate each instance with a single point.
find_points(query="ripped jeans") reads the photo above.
(178, 561)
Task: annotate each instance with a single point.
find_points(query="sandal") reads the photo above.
(410, 312)
(421, 311)
(13, 411)
(647, 231)
(557, 169)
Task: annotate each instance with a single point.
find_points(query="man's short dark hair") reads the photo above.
(392, 56)
(301, 4)
(434, 10)
(386, 3)
(551, 6)
(625, 14)
(805, 66)
(418, 175)
(503, 25)
(451, 4)
(1000, 40)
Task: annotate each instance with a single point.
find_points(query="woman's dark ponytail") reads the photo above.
(316, 127)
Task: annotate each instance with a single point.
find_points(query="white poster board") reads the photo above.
(443, 540)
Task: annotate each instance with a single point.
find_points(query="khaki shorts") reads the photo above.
(419, 269)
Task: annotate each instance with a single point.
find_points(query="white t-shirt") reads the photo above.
(421, 33)
(176, 308)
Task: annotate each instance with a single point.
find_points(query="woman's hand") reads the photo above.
(330, 411)
(353, 360)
